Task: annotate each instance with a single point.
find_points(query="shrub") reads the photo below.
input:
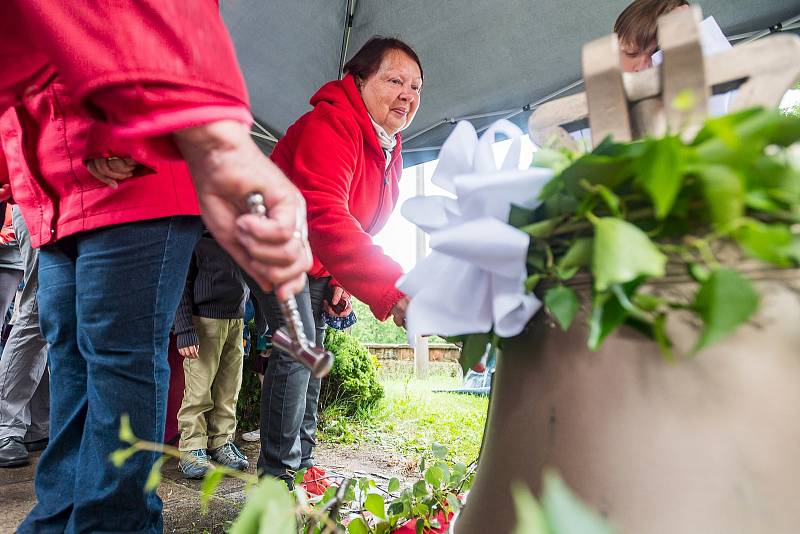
(248, 405)
(353, 381)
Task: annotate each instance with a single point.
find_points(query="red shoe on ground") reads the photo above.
(315, 481)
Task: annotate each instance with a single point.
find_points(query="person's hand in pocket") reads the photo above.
(191, 352)
(111, 171)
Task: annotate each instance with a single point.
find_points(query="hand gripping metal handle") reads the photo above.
(291, 338)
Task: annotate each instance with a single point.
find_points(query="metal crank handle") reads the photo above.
(291, 338)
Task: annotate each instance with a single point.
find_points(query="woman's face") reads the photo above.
(391, 95)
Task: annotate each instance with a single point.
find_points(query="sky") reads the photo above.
(398, 237)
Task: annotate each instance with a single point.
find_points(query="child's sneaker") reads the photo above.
(229, 456)
(194, 464)
(315, 481)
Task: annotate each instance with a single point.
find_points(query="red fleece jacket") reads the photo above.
(333, 156)
(145, 67)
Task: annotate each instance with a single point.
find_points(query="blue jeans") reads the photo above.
(107, 299)
(289, 395)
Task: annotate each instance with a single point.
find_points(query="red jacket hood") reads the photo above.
(344, 95)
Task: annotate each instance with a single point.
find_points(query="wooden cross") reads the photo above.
(627, 106)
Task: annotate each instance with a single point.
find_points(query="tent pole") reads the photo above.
(348, 27)
(421, 354)
(266, 134)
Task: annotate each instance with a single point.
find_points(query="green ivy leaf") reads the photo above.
(530, 517)
(611, 200)
(562, 303)
(724, 128)
(269, 509)
(420, 489)
(751, 134)
(357, 526)
(699, 272)
(396, 508)
(565, 513)
(773, 243)
(577, 256)
(364, 484)
(125, 432)
(439, 450)
(541, 229)
(375, 505)
(519, 216)
(532, 281)
(472, 351)
(120, 456)
(608, 171)
(154, 478)
(770, 127)
(646, 302)
(724, 302)
(434, 477)
(776, 178)
(550, 158)
(661, 337)
(660, 173)
(724, 191)
(685, 101)
(457, 472)
(394, 485)
(208, 487)
(453, 503)
(419, 527)
(608, 313)
(299, 475)
(622, 252)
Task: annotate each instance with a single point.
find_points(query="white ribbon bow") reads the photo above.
(474, 278)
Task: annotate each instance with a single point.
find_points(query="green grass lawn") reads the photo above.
(413, 415)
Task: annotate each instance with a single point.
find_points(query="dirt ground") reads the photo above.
(182, 497)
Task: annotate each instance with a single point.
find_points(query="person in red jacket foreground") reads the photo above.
(114, 253)
(344, 156)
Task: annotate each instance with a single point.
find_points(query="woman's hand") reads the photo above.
(191, 352)
(110, 171)
(340, 300)
(399, 311)
(227, 166)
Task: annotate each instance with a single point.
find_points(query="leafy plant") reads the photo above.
(559, 512)
(353, 506)
(353, 382)
(622, 211)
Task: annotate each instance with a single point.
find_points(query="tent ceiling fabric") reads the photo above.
(478, 56)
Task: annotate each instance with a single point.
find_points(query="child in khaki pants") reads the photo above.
(209, 324)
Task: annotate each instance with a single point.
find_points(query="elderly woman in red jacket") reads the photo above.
(344, 156)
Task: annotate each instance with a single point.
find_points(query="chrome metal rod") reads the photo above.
(291, 338)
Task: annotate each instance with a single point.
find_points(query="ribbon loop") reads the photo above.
(474, 280)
